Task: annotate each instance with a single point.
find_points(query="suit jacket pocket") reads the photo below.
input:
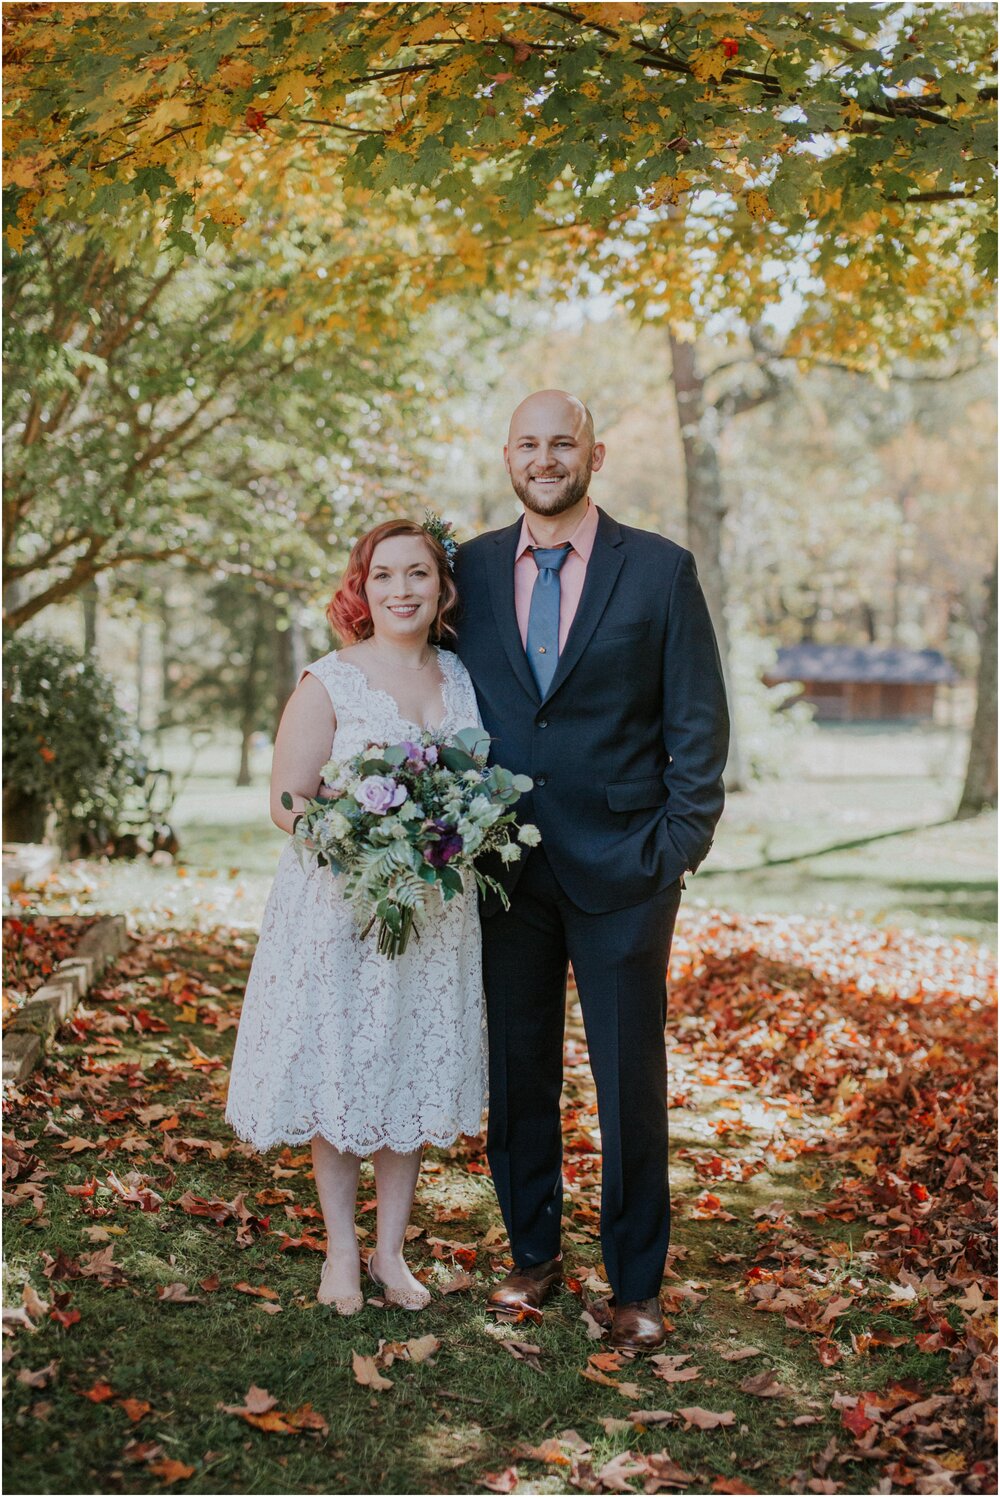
(620, 634)
(638, 795)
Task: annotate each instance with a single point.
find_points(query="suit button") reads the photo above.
(540, 780)
(543, 722)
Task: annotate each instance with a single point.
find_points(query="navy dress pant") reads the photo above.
(619, 961)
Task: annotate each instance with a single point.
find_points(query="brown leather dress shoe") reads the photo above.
(638, 1326)
(526, 1288)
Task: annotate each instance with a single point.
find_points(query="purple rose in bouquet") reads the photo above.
(417, 756)
(378, 793)
(440, 853)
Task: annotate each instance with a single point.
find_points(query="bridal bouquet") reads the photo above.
(401, 819)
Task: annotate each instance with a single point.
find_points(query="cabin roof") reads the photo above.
(876, 663)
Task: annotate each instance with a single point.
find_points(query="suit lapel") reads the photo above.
(500, 572)
(606, 561)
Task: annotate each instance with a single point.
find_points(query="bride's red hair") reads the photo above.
(348, 610)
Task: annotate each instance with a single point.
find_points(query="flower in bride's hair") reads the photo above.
(378, 793)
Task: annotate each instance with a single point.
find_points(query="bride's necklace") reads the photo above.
(398, 664)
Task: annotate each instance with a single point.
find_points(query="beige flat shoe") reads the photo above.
(403, 1299)
(346, 1304)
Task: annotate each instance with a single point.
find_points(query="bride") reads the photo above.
(358, 1053)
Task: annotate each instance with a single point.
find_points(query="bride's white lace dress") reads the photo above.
(370, 1052)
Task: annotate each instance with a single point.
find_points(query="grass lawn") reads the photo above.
(841, 783)
(828, 1287)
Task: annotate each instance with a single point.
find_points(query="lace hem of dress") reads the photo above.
(361, 1147)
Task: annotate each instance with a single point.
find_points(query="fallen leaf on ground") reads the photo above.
(652, 1417)
(177, 1294)
(615, 1474)
(40, 1378)
(669, 1368)
(100, 1393)
(460, 1282)
(138, 1451)
(135, 1408)
(367, 1373)
(170, 1470)
(523, 1351)
(706, 1418)
(765, 1385)
(664, 1472)
(421, 1348)
(261, 1290)
(739, 1353)
(501, 1481)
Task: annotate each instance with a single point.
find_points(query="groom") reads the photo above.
(594, 661)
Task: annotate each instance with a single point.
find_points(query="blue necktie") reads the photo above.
(543, 618)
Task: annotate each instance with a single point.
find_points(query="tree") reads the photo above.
(153, 410)
(848, 148)
(979, 792)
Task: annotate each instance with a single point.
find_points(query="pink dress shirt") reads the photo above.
(572, 573)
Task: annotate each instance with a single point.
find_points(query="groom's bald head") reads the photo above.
(554, 408)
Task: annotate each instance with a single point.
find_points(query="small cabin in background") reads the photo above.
(865, 683)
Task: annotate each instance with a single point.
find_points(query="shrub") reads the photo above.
(68, 746)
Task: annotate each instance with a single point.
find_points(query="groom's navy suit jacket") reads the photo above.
(628, 746)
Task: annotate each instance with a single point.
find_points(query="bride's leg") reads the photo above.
(395, 1184)
(337, 1183)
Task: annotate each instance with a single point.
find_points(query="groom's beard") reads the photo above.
(559, 500)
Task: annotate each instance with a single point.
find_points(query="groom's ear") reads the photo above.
(506, 459)
(597, 456)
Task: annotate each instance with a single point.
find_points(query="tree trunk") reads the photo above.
(291, 657)
(249, 705)
(980, 790)
(89, 598)
(705, 506)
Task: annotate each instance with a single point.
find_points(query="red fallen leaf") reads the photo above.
(828, 1352)
(261, 1290)
(169, 1470)
(211, 1284)
(100, 1393)
(857, 1421)
(732, 1485)
(81, 1190)
(219, 1211)
(549, 1451)
(137, 1452)
(65, 1317)
(147, 1023)
(135, 1408)
(305, 1241)
(606, 1361)
(500, 1481)
(169, 1123)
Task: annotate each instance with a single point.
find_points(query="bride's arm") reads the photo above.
(301, 748)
